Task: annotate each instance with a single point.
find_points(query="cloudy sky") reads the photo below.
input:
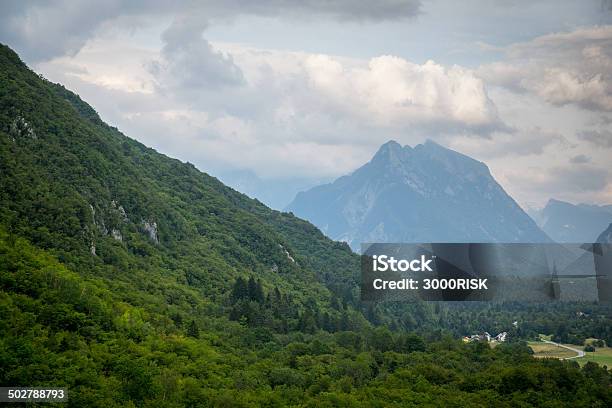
(296, 92)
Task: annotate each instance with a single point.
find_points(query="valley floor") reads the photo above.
(549, 349)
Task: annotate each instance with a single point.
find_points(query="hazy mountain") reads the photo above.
(566, 222)
(275, 193)
(606, 236)
(423, 194)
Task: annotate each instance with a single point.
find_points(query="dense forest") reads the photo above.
(133, 279)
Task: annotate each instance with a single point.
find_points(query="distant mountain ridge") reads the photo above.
(566, 222)
(423, 194)
(606, 236)
(274, 193)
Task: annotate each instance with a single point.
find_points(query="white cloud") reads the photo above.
(92, 66)
(562, 68)
(393, 92)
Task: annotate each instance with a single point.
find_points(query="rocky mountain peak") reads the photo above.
(425, 193)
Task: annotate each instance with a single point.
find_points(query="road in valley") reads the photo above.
(579, 353)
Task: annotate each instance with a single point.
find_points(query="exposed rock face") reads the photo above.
(287, 254)
(120, 210)
(123, 213)
(115, 216)
(423, 194)
(116, 234)
(20, 128)
(150, 227)
(101, 226)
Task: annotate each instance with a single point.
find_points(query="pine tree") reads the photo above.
(334, 302)
(345, 323)
(235, 313)
(193, 331)
(259, 293)
(178, 319)
(252, 288)
(307, 322)
(240, 290)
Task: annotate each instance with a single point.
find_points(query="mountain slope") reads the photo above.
(423, 194)
(565, 222)
(108, 191)
(110, 207)
(164, 243)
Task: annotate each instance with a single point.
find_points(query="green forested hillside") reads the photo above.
(134, 279)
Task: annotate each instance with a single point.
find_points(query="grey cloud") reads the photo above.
(582, 178)
(604, 120)
(41, 30)
(503, 74)
(599, 138)
(578, 181)
(349, 10)
(188, 62)
(562, 68)
(519, 142)
(580, 159)
(532, 141)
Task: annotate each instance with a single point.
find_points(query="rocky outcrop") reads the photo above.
(20, 128)
(116, 234)
(287, 254)
(120, 210)
(150, 228)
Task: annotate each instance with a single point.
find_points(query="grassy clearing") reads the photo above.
(601, 356)
(545, 337)
(547, 350)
